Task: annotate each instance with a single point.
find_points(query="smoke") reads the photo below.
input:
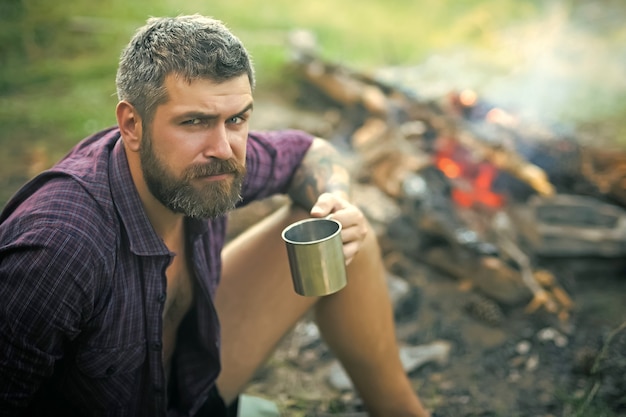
(564, 67)
(568, 65)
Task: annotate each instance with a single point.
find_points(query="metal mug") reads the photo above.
(316, 259)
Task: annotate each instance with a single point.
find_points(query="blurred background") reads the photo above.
(562, 60)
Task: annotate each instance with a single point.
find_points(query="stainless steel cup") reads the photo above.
(316, 256)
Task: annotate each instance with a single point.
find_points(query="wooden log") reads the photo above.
(606, 168)
(386, 158)
(490, 275)
(343, 87)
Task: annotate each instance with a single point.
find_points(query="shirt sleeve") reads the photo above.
(271, 161)
(46, 290)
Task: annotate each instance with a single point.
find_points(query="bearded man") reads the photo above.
(120, 296)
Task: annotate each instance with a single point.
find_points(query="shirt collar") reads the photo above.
(143, 239)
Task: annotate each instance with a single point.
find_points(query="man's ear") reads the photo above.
(130, 125)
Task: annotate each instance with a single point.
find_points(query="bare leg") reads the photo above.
(357, 323)
(255, 300)
(257, 307)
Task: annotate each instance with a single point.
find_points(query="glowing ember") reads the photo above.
(479, 192)
(471, 182)
(449, 167)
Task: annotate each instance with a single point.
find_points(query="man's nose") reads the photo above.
(218, 144)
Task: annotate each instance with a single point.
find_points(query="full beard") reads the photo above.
(207, 200)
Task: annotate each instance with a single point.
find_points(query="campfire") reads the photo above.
(472, 188)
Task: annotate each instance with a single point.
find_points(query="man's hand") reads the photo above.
(353, 222)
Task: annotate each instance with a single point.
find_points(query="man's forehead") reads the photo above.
(240, 83)
(235, 92)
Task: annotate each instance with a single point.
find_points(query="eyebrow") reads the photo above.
(246, 109)
(209, 116)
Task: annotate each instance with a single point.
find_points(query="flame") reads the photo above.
(449, 167)
(471, 182)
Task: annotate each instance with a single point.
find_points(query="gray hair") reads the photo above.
(192, 47)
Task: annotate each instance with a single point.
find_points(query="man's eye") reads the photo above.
(236, 120)
(195, 121)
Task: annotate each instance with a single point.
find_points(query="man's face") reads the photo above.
(193, 153)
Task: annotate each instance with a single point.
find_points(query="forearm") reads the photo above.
(322, 171)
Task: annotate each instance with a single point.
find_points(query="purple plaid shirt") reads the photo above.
(82, 284)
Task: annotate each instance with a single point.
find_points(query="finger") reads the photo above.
(354, 233)
(348, 214)
(350, 250)
(353, 223)
(326, 203)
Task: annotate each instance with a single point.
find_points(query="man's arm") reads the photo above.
(322, 185)
(46, 294)
(321, 171)
(42, 307)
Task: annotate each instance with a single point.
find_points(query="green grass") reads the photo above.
(62, 47)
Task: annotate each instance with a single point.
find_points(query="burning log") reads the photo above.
(510, 162)
(564, 164)
(349, 89)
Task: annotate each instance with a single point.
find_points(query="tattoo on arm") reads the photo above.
(321, 171)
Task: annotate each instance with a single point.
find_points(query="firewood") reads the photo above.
(343, 87)
(385, 157)
(488, 275)
(543, 296)
(369, 134)
(396, 136)
(607, 170)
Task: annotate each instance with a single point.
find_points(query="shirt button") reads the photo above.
(161, 297)
(156, 345)
(110, 370)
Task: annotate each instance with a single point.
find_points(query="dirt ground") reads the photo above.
(528, 365)
(503, 360)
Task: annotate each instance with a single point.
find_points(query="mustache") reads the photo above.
(215, 167)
